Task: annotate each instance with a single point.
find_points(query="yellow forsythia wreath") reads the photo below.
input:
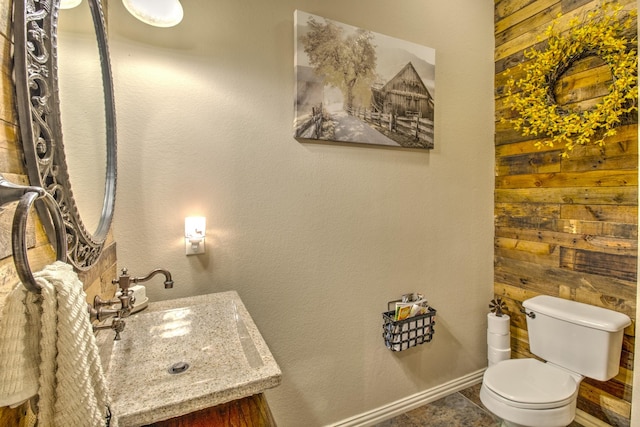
(532, 96)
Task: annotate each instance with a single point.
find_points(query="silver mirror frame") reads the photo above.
(38, 103)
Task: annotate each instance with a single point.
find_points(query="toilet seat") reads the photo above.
(539, 385)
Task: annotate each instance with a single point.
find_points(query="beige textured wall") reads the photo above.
(315, 238)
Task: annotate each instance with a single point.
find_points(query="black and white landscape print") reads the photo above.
(354, 85)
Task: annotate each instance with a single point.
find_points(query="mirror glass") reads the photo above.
(82, 111)
(66, 112)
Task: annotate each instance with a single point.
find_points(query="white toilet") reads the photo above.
(576, 340)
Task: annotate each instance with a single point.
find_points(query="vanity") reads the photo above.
(189, 361)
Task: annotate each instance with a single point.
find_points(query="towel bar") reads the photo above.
(26, 195)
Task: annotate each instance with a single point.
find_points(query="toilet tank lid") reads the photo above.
(578, 313)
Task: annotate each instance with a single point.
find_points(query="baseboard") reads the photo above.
(401, 406)
(408, 403)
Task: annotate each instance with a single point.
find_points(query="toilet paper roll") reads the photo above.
(140, 292)
(495, 355)
(498, 325)
(501, 342)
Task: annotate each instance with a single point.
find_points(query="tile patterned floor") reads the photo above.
(461, 409)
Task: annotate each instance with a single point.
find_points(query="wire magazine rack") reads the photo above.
(401, 335)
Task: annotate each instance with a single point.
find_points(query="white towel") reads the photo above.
(19, 341)
(72, 388)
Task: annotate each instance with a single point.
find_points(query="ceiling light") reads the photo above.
(69, 4)
(159, 13)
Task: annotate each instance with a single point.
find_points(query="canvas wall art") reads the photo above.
(357, 86)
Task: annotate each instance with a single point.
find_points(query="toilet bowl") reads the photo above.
(576, 340)
(527, 392)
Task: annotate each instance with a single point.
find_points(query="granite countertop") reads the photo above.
(228, 359)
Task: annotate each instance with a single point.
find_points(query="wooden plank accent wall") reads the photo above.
(97, 280)
(565, 227)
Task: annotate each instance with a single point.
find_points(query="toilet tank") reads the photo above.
(579, 337)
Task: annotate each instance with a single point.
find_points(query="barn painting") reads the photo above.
(357, 86)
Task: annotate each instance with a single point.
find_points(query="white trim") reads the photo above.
(408, 403)
(414, 401)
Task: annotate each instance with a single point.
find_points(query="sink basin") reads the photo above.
(183, 355)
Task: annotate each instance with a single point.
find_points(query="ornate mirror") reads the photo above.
(57, 96)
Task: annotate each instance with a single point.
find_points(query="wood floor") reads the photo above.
(461, 409)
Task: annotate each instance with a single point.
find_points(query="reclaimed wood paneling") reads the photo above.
(565, 227)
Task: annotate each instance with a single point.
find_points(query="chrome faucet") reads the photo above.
(126, 300)
(168, 281)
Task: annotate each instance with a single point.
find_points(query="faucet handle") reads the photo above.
(118, 326)
(99, 302)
